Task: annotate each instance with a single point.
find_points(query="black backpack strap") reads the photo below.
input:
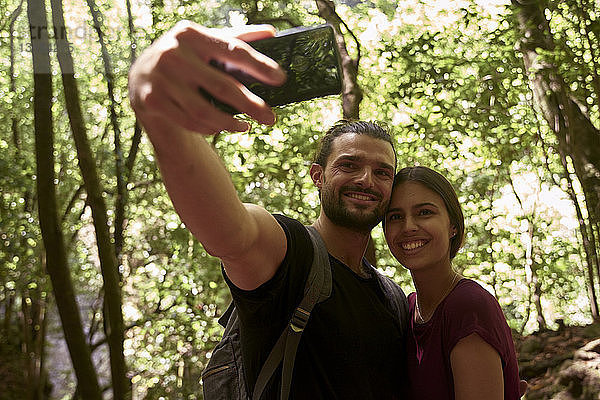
(394, 295)
(317, 288)
(398, 305)
(224, 319)
(396, 298)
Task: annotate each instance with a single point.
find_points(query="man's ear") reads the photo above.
(316, 174)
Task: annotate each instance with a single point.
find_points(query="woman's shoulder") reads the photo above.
(469, 286)
(468, 294)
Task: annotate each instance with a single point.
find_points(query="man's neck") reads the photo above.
(346, 245)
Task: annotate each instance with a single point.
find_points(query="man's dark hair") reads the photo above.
(373, 129)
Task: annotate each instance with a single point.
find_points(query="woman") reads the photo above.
(461, 346)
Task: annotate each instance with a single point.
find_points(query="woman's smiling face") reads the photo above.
(418, 228)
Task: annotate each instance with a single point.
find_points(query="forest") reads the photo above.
(104, 293)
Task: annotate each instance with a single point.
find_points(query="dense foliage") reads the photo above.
(450, 82)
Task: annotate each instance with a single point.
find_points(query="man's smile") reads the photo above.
(361, 196)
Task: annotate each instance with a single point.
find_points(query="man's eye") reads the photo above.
(385, 173)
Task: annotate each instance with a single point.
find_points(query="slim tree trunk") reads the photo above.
(11, 70)
(491, 237)
(33, 308)
(121, 194)
(9, 304)
(527, 316)
(26, 339)
(52, 235)
(537, 297)
(352, 93)
(531, 268)
(106, 252)
(40, 345)
(137, 132)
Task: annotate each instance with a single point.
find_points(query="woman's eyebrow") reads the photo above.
(396, 209)
(425, 204)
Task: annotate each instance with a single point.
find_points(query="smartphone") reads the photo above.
(310, 58)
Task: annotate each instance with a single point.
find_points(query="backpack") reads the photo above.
(224, 378)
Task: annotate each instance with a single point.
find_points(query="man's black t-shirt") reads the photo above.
(352, 346)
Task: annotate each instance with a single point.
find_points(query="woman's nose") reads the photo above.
(410, 224)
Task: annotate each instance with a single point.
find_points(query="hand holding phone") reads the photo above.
(308, 55)
(164, 80)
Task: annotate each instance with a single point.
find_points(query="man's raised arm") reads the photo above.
(164, 92)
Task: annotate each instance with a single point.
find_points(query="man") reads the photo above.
(353, 345)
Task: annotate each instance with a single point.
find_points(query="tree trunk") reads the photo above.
(14, 121)
(33, 325)
(106, 252)
(137, 131)
(537, 298)
(40, 346)
(491, 238)
(494, 283)
(578, 138)
(586, 228)
(531, 268)
(121, 194)
(9, 304)
(352, 93)
(589, 246)
(27, 339)
(52, 235)
(527, 316)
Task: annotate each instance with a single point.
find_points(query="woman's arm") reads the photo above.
(477, 370)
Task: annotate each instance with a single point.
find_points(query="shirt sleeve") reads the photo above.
(471, 309)
(272, 303)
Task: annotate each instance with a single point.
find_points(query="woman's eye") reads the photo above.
(425, 212)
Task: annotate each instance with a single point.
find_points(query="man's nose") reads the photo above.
(365, 178)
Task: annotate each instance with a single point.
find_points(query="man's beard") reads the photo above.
(338, 212)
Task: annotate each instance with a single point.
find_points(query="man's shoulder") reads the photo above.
(294, 230)
(289, 222)
(299, 244)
